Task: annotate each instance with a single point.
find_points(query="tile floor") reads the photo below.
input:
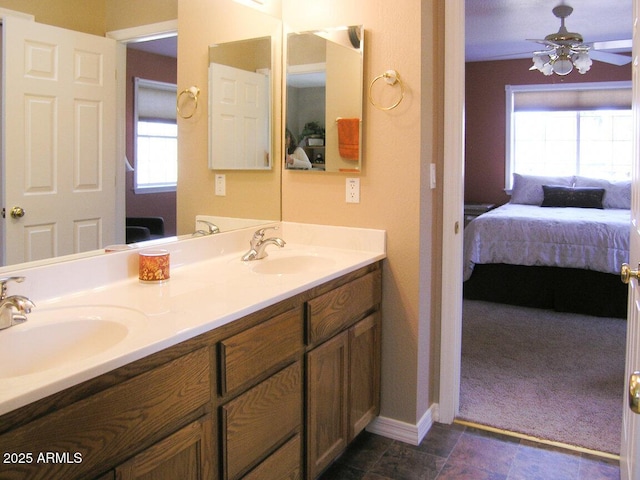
(456, 451)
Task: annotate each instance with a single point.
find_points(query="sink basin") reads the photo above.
(292, 264)
(59, 336)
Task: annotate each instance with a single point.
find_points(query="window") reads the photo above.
(569, 129)
(156, 137)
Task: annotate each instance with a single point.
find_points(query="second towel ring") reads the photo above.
(194, 93)
(391, 77)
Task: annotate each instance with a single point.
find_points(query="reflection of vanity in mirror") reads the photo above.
(240, 105)
(225, 223)
(324, 78)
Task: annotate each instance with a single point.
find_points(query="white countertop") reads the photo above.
(209, 287)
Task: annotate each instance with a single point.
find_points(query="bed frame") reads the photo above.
(561, 289)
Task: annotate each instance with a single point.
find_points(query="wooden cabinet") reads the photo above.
(327, 383)
(276, 395)
(260, 420)
(364, 373)
(343, 372)
(255, 352)
(186, 454)
(93, 435)
(261, 394)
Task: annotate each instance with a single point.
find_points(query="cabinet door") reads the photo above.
(326, 403)
(186, 454)
(364, 373)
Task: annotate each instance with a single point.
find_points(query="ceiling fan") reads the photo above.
(567, 49)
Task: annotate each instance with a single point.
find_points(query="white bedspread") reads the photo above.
(586, 238)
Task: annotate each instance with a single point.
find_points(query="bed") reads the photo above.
(559, 243)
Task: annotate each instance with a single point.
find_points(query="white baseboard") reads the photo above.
(402, 431)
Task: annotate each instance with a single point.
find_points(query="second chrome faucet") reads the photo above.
(259, 245)
(13, 309)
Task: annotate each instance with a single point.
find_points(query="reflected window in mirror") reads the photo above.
(156, 137)
(324, 99)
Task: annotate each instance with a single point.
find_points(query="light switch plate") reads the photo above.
(221, 185)
(433, 176)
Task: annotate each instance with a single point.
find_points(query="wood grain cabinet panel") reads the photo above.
(332, 312)
(186, 455)
(261, 419)
(258, 350)
(283, 464)
(343, 391)
(364, 373)
(327, 403)
(106, 428)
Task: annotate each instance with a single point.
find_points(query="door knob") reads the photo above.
(634, 392)
(17, 212)
(626, 273)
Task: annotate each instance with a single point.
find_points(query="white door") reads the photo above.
(238, 119)
(630, 448)
(59, 141)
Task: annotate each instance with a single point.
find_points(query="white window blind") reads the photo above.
(569, 129)
(156, 136)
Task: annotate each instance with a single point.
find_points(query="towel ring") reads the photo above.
(194, 93)
(391, 77)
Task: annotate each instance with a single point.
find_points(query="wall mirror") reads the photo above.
(324, 99)
(240, 93)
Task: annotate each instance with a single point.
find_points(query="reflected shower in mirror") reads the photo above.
(324, 99)
(240, 105)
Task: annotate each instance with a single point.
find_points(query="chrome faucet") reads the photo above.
(259, 244)
(211, 228)
(13, 309)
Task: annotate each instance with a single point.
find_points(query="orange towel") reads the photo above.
(349, 138)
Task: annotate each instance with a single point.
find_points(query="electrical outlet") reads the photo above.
(353, 190)
(221, 185)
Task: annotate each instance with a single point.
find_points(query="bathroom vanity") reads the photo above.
(277, 389)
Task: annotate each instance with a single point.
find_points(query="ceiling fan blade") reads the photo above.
(612, 45)
(607, 57)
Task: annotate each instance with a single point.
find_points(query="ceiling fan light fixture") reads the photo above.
(542, 62)
(562, 64)
(582, 62)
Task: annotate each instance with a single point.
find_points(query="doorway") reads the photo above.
(149, 52)
(451, 334)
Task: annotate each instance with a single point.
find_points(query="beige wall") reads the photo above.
(397, 144)
(82, 15)
(248, 194)
(122, 14)
(399, 35)
(96, 16)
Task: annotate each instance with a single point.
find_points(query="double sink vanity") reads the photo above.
(231, 369)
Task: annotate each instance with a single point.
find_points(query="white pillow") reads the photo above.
(527, 189)
(616, 194)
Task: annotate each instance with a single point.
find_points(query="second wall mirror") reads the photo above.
(240, 113)
(324, 99)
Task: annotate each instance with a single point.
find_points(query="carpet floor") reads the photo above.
(555, 376)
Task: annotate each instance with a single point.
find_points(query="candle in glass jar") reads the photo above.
(153, 266)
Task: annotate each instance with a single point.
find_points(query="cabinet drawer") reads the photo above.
(252, 353)
(283, 464)
(185, 454)
(110, 426)
(259, 420)
(332, 312)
